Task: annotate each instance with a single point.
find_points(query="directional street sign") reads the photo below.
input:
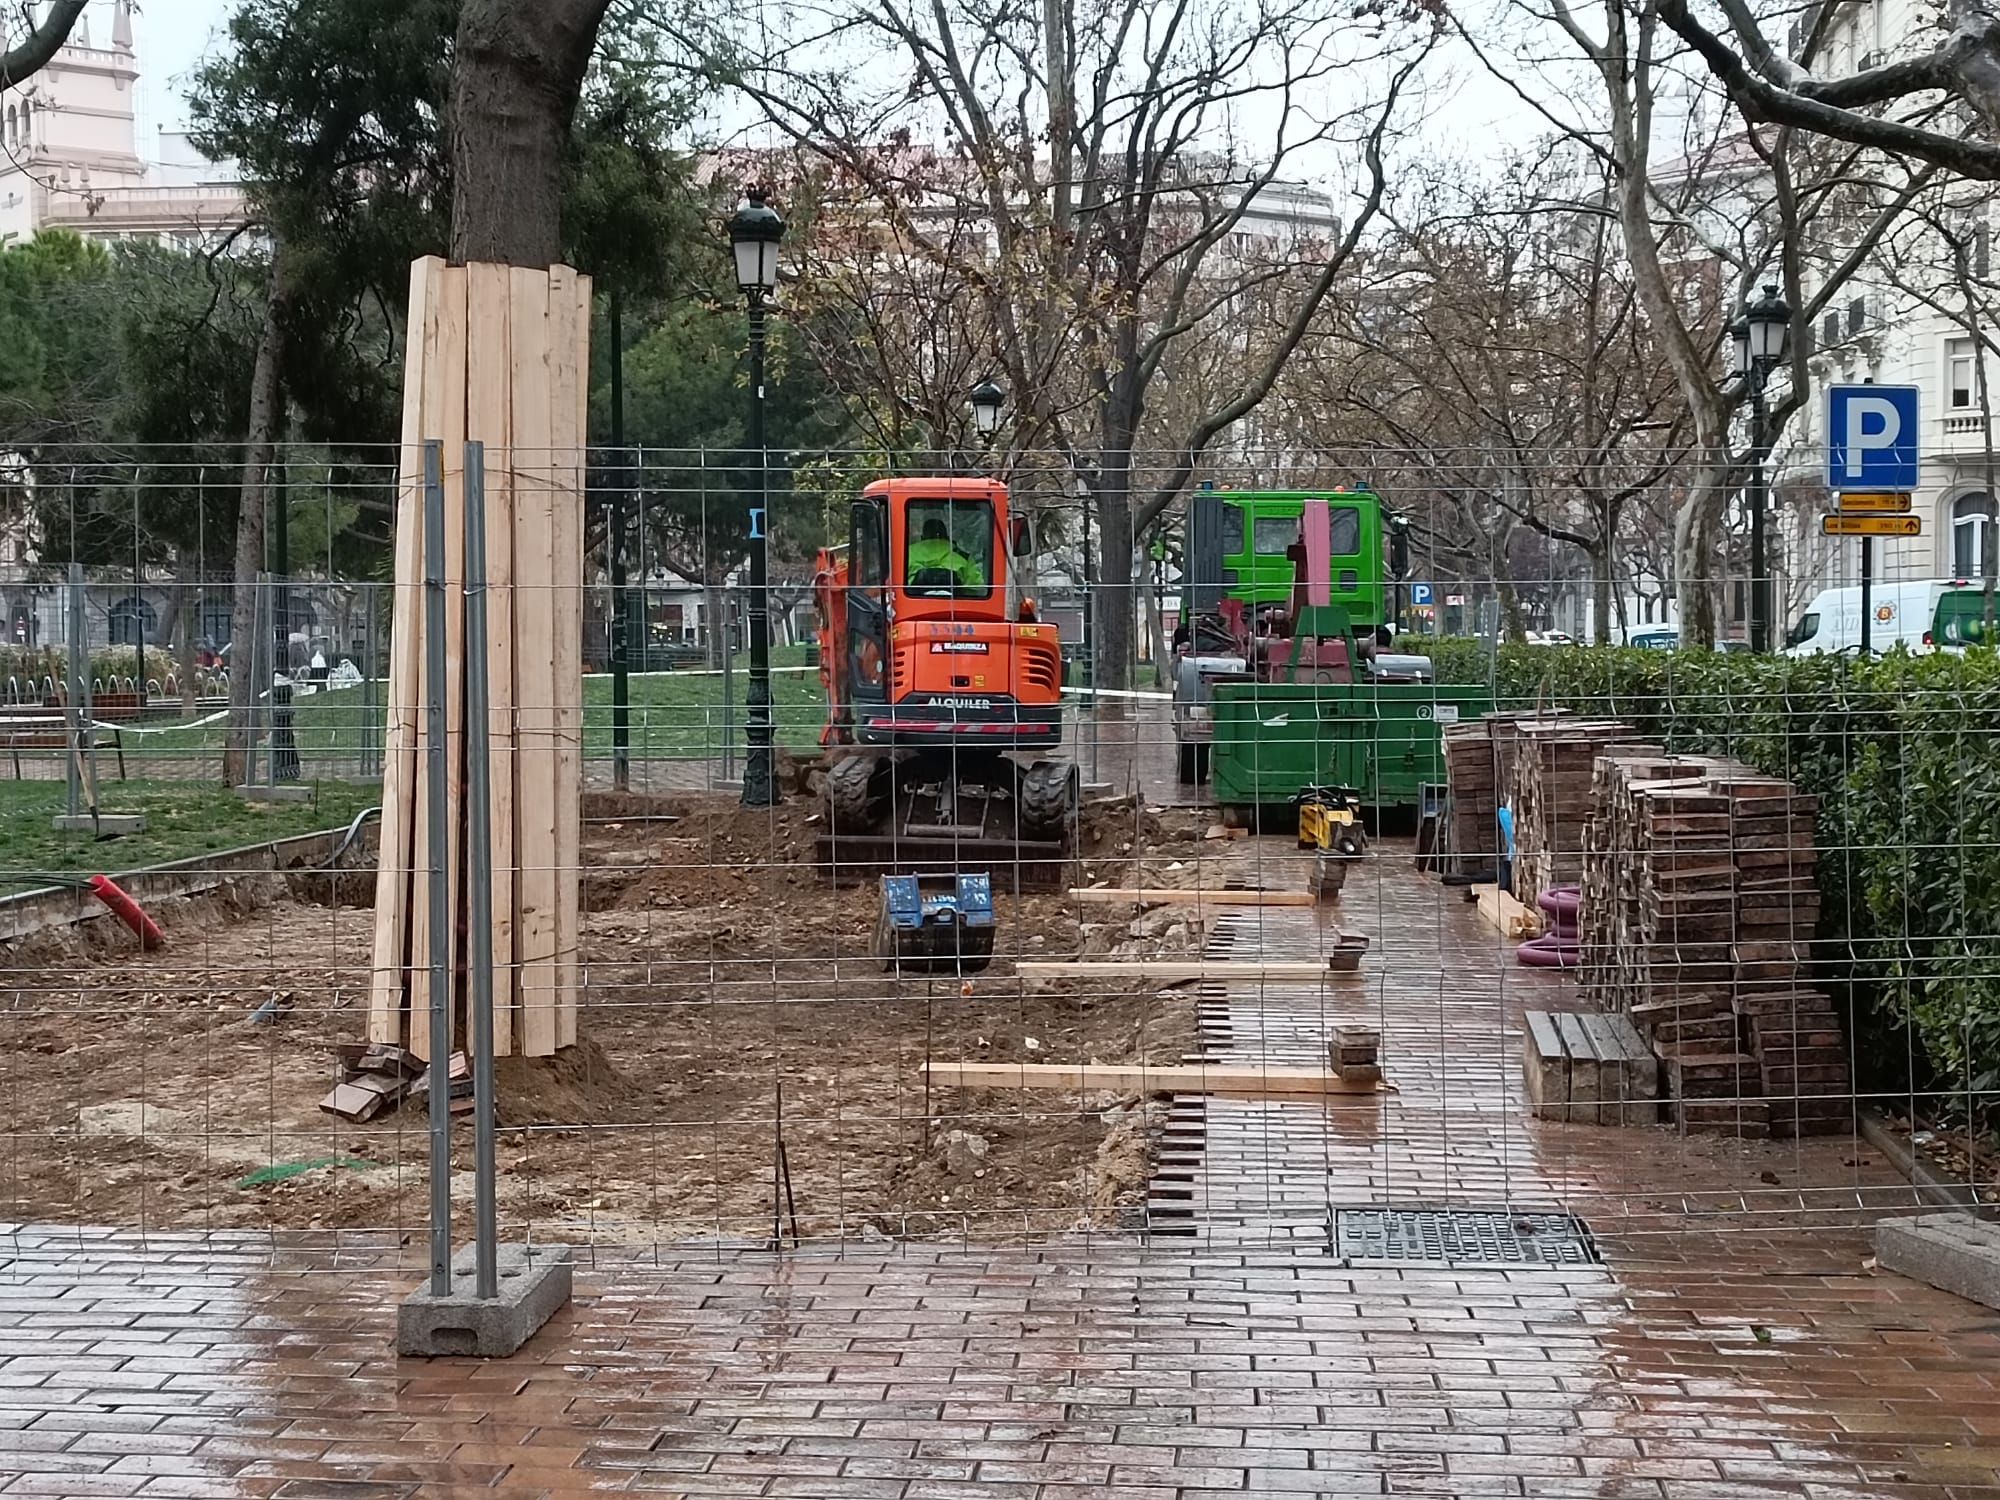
(1420, 594)
(1871, 437)
(1873, 503)
(1871, 526)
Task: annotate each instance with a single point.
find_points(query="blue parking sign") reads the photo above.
(1420, 594)
(1871, 437)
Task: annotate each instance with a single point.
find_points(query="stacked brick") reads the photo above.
(1700, 901)
(1550, 792)
(1469, 772)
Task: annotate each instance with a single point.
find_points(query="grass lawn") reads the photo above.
(183, 819)
(675, 716)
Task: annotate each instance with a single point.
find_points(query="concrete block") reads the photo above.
(534, 1283)
(283, 791)
(1583, 1071)
(1953, 1252)
(104, 825)
(1610, 1055)
(1547, 1067)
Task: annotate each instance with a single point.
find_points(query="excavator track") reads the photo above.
(909, 813)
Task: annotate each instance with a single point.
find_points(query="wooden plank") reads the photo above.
(1506, 915)
(1160, 968)
(1237, 1080)
(1125, 895)
(442, 392)
(452, 332)
(569, 333)
(387, 989)
(534, 634)
(489, 418)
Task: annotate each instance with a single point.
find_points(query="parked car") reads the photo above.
(1654, 637)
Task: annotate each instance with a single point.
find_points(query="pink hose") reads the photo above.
(1549, 952)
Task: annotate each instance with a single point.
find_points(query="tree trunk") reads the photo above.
(1697, 549)
(260, 440)
(1600, 593)
(516, 74)
(1111, 596)
(715, 622)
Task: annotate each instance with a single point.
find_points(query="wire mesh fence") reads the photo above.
(1670, 940)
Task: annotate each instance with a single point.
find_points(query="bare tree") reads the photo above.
(1741, 204)
(1502, 353)
(1106, 157)
(1894, 106)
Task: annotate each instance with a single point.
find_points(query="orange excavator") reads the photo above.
(937, 677)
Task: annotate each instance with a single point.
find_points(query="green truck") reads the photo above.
(1286, 677)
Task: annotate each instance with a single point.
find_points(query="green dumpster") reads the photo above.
(1383, 739)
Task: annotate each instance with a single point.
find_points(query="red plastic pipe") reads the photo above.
(127, 911)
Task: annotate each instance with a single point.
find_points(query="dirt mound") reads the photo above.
(577, 1085)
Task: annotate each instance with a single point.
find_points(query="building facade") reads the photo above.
(1919, 313)
(71, 157)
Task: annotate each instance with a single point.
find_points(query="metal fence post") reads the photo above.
(440, 909)
(76, 703)
(479, 877)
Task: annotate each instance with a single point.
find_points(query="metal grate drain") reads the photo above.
(1463, 1236)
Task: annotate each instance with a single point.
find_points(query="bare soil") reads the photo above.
(731, 1008)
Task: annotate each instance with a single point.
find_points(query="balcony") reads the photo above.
(1962, 432)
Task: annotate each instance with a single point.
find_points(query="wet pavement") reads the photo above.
(1734, 1341)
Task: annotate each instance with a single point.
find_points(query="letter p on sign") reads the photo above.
(1871, 437)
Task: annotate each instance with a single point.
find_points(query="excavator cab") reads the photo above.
(936, 675)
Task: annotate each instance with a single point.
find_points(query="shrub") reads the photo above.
(1900, 750)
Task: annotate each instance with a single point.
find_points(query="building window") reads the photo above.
(1970, 516)
(1961, 391)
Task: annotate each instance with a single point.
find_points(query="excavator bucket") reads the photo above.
(935, 924)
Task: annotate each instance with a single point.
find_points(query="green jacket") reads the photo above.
(941, 554)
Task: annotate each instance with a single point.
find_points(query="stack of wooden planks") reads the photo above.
(1699, 904)
(497, 354)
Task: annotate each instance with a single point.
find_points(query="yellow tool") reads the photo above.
(1330, 820)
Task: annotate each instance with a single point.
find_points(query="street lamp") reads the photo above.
(754, 232)
(1758, 341)
(987, 400)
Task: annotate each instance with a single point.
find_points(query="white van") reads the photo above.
(1900, 614)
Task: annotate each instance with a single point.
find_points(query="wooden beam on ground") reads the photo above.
(1235, 1079)
(1162, 968)
(1126, 895)
(1507, 916)
(388, 970)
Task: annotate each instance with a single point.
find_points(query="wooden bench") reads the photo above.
(1589, 1070)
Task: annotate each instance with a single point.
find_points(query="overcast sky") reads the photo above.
(171, 37)
(1463, 110)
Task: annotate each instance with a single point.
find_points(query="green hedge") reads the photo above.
(1904, 753)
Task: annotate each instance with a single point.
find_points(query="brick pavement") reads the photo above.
(1735, 1343)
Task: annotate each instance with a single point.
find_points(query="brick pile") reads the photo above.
(1550, 792)
(1699, 904)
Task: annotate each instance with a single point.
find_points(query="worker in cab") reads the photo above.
(933, 552)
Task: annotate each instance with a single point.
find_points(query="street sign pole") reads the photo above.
(1867, 583)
